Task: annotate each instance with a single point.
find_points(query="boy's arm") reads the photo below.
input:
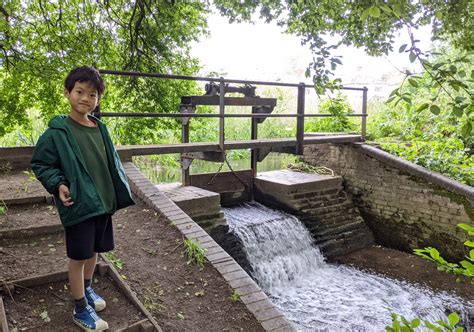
(46, 166)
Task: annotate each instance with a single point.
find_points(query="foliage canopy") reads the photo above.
(41, 40)
(325, 25)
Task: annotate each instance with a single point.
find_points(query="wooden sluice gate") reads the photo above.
(215, 95)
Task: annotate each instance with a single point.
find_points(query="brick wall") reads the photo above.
(403, 211)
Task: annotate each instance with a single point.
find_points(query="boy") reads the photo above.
(76, 161)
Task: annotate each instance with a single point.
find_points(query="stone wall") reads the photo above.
(404, 211)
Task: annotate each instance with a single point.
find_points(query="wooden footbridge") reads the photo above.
(216, 91)
(262, 108)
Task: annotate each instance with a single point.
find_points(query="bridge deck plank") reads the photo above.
(135, 150)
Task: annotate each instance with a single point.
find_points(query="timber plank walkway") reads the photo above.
(21, 156)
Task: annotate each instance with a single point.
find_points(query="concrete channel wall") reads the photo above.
(403, 209)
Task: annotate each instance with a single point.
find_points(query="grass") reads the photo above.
(3, 208)
(304, 167)
(234, 297)
(117, 262)
(25, 184)
(152, 306)
(194, 253)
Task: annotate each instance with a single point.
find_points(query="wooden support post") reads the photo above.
(300, 119)
(185, 165)
(221, 112)
(253, 156)
(364, 114)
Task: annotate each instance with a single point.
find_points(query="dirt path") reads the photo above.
(181, 296)
(150, 253)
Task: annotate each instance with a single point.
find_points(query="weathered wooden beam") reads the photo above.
(262, 153)
(206, 155)
(228, 101)
(127, 152)
(21, 156)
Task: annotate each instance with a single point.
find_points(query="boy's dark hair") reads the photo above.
(85, 74)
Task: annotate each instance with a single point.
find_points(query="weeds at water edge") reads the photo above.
(117, 262)
(234, 297)
(194, 253)
(3, 208)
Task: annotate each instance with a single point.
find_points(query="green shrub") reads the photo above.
(338, 122)
(194, 253)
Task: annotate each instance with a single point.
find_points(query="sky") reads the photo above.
(264, 52)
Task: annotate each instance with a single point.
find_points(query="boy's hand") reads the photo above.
(64, 195)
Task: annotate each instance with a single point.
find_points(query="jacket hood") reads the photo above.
(58, 121)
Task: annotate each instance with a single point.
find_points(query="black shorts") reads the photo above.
(86, 238)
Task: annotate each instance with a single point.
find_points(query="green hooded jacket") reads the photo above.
(57, 159)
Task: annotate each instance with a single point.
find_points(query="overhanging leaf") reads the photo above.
(413, 82)
(422, 107)
(453, 318)
(374, 11)
(435, 109)
(434, 253)
(466, 129)
(402, 48)
(469, 244)
(457, 111)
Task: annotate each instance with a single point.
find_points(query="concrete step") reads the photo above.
(315, 194)
(285, 182)
(205, 217)
(203, 206)
(209, 224)
(342, 245)
(344, 207)
(339, 232)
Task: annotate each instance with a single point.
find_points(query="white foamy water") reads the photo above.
(315, 295)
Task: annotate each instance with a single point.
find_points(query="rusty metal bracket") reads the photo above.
(188, 109)
(263, 109)
(262, 153)
(206, 155)
(186, 162)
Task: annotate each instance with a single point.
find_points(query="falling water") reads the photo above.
(315, 295)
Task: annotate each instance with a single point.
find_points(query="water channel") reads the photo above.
(159, 173)
(313, 294)
(317, 296)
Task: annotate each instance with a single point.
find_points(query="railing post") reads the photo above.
(364, 114)
(185, 163)
(96, 112)
(300, 119)
(221, 113)
(253, 154)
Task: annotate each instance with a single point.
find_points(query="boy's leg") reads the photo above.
(103, 242)
(89, 267)
(94, 300)
(80, 250)
(76, 278)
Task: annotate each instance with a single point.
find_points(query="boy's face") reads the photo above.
(83, 98)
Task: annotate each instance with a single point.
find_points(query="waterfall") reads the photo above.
(315, 295)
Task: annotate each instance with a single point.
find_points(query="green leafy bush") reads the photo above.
(338, 107)
(401, 324)
(464, 267)
(195, 253)
(446, 156)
